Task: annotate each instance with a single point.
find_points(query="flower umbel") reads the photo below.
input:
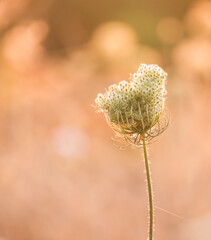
(133, 108)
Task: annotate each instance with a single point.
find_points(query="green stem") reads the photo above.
(149, 186)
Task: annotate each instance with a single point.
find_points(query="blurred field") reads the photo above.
(61, 175)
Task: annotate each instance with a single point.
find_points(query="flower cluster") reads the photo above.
(134, 107)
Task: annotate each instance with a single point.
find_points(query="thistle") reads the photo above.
(133, 111)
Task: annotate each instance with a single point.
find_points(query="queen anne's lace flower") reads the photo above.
(134, 107)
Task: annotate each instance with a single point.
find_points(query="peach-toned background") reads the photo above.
(61, 175)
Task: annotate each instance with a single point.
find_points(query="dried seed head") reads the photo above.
(134, 107)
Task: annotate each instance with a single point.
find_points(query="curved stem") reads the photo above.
(149, 187)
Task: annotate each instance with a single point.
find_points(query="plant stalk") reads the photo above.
(149, 187)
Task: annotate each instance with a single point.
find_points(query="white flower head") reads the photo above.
(134, 107)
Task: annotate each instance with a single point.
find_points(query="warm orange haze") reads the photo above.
(62, 177)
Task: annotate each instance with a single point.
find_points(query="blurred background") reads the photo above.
(61, 175)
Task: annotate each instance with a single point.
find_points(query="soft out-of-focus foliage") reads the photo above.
(61, 176)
